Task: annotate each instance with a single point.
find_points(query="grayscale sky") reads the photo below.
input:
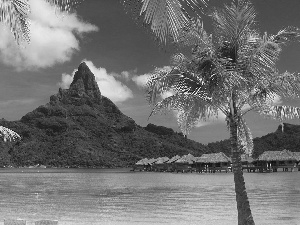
(120, 52)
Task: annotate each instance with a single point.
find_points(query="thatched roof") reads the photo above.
(142, 162)
(174, 159)
(277, 155)
(146, 161)
(297, 155)
(151, 161)
(161, 160)
(246, 158)
(190, 159)
(213, 158)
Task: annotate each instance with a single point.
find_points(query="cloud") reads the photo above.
(109, 86)
(128, 74)
(141, 80)
(54, 38)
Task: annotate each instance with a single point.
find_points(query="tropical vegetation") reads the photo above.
(231, 71)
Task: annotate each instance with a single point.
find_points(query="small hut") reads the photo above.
(271, 161)
(185, 163)
(141, 165)
(297, 157)
(213, 162)
(171, 163)
(160, 165)
(151, 163)
(247, 163)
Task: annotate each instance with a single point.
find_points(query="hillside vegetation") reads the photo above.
(81, 128)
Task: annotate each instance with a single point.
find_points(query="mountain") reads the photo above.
(79, 127)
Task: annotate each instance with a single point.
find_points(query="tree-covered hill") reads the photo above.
(288, 138)
(81, 128)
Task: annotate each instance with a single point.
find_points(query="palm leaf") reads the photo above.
(64, 5)
(233, 22)
(286, 35)
(281, 112)
(262, 59)
(14, 13)
(190, 109)
(8, 135)
(166, 17)
(195, 35)
(286, 85)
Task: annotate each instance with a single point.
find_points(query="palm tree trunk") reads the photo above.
(243, 206)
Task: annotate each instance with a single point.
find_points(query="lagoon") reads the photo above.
(121, 197)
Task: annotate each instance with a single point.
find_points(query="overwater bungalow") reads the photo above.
(160, 164)
(213, 162)
(297, 157)
(247, 163)
(185, 163)
(171, 163)
(151, 163)
(141, 165)
(271, 161)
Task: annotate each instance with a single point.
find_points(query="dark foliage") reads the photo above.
(81, 128)
(288, 139)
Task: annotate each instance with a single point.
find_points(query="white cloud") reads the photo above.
(128, 74)
(109, 86)
(53, 37)
(141, 80)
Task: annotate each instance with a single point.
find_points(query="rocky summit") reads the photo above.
(79, 127)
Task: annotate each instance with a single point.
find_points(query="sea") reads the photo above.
(123, 197)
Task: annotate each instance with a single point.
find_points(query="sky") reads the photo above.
(121, 53)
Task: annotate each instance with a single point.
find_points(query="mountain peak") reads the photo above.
(84, 85)
(84, 82)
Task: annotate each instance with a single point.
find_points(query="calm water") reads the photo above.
(77, 197)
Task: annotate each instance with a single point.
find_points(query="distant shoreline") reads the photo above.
(64, 170)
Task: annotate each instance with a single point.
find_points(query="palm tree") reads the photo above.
(232, 71)
(165, 17)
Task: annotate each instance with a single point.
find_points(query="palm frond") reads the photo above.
(166, 17)
(262, 57)
(179, 82)
(190, 109)
(14, 14)
(64, 5)
(286, 35)
(286, 85)
(233, 22)
(8, 134)
(281, 112)
(195, 35)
